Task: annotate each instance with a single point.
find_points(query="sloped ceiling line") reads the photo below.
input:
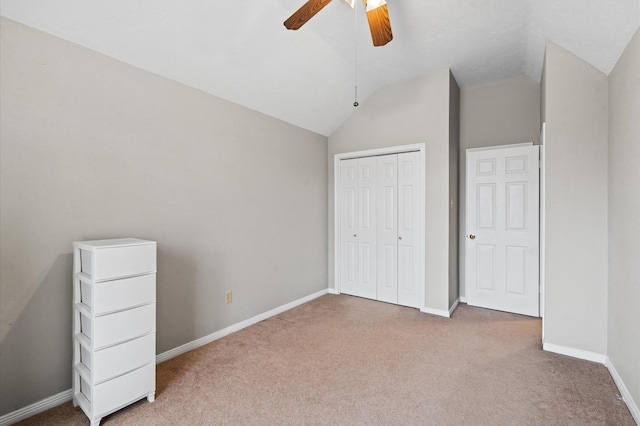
(240, 51)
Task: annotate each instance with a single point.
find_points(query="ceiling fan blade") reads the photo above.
(306, 12)
(379, 24)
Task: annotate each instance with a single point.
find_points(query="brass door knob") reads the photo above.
(472, 236)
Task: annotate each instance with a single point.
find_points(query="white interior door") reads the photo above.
(502, 229)
(409, 229)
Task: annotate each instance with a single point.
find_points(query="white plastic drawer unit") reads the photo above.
(120, 327)
(110, 296)
(120, 359)
(114, 324)
(119, 391)
(110, 259)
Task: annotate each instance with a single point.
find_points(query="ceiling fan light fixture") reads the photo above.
(351, 3)
(374, 4)
(377, 15)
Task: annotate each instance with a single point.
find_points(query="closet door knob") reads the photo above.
(354, 235)
(399, 238)
(473, 237)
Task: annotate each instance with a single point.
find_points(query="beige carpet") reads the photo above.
(341, 360)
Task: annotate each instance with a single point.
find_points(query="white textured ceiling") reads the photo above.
(240, 51)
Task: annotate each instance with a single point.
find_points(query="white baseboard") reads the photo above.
(441, 312)
(454, 306)
(36, 408)
(463, 299)
(601, 359)
(626, 395)
(62, 397)
(438, 312)
(333, 291)
(576, 353)
(233, 328)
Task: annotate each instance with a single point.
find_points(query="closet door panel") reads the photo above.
(348, 226)
(367, 227)
(409, 229)
(388, 228)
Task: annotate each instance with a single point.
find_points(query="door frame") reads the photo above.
(541, 220)
(418, 147)
(542, 223)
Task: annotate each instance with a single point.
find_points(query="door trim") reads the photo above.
(542, 223)
(490, 148)
(419, 147)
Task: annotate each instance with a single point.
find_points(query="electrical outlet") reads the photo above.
(228, 298)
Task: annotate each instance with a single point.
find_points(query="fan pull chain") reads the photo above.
(355, 61)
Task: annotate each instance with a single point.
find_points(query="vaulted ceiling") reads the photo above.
(240, 50)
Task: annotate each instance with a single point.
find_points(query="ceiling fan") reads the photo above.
(377, 15)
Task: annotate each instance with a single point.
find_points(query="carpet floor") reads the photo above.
(341, 360)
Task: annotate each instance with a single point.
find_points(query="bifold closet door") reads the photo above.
(409, 230)
(388, 228)
(380, 228)
(358, 233)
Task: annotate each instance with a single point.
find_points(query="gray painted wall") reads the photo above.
(414, 111)
(576, 202)
(94, 148)
(623, 346)
(499, 113)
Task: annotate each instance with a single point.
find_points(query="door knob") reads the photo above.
(399, 238)
(472, 236)
(354, 235)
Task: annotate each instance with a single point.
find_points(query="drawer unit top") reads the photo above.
(112, 243)
(122, 258)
